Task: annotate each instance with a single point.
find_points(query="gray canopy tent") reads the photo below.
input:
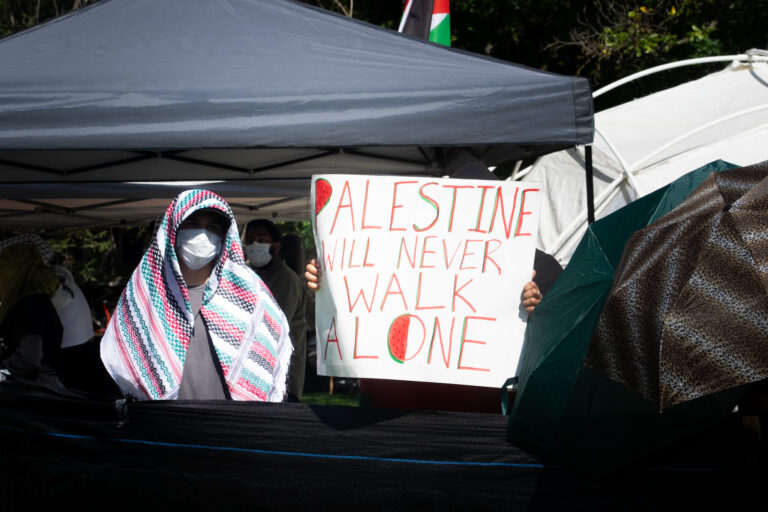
(254, 95)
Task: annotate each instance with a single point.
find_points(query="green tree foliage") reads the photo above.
(384, 13)
(89, 254)
(100, 260)
(615, 38)
(100, 256)
(603, 40)
(622, 36)
(17, 15)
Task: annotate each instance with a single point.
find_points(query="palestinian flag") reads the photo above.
(427, 19)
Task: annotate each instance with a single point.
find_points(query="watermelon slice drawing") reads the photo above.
(397, 338)
(323, 192)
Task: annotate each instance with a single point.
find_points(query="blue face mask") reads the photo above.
(258, 254)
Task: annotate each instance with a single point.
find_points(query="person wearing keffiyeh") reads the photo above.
(30, 329)
(194, 321)
(69, 300)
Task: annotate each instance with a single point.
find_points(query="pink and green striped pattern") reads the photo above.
(146, 342)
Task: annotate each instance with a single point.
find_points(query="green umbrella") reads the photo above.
(570, 413)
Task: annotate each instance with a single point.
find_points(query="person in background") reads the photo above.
(30, 329)
(69, 300)
(194, 321)
(292, 252)
(78, 365)
(262, 244)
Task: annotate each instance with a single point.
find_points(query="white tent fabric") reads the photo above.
(644, 144)
(78, 205)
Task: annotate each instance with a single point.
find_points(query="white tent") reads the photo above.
(644, 144)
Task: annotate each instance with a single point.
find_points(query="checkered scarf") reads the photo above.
(46, 253)
(24, 270)
(145, 345)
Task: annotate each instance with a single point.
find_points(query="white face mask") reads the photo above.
(258, 254)
(197, 247)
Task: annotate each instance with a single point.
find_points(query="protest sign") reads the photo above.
(422, 277)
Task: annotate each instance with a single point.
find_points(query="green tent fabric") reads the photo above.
(570, 413)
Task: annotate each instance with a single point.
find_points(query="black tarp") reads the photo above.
(203, 455)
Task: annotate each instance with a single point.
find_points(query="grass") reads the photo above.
(345, 398)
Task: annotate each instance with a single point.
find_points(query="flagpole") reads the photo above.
(407, 10)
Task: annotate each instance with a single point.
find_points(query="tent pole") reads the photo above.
(590, 190)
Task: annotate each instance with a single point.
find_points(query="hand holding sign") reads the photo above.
(421, 277)
(531, 295)
(313, 274)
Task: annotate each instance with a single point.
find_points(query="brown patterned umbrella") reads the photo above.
(688, 310)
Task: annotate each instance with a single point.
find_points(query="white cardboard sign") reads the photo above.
(422, 277)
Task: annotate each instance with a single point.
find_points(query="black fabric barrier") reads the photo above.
(77, 448)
